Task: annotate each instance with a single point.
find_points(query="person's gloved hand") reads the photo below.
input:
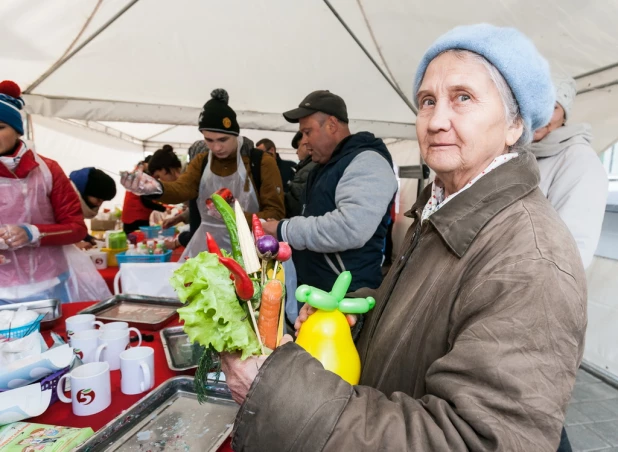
(140, 183)
(16, 236)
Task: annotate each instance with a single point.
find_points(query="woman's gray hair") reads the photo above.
(511, 108)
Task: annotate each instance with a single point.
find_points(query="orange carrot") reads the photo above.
(269, 312)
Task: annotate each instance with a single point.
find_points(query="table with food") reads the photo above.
(137, 372)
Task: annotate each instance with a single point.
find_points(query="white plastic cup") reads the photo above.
(91, 390)
(121, 326)
(85, 344)
(111, 344)
(81, 322)
(137, 370)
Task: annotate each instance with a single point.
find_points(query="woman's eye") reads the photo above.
(463, 97)
(427, 102)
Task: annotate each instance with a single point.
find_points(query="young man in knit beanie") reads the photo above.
(231, 163)
(572, 176)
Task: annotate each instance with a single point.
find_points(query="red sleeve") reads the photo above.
(67, 210)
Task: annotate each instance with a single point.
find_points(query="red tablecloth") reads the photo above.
(61, 413)
(109, 273)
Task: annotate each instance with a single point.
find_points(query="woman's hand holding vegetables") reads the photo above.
(14, 236)
(270, 227)
(140, 183)
(239, 375)
(307, 310)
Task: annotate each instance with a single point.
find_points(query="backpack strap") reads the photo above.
(255, 160)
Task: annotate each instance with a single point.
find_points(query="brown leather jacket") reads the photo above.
(473, 344)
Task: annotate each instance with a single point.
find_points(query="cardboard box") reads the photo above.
(102, 225)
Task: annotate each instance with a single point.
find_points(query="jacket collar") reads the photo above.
(461, 220)
(27, 163)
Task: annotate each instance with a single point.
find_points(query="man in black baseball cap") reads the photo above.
(346, 202)
(319, 101)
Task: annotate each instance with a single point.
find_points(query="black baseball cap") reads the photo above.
(319, 101)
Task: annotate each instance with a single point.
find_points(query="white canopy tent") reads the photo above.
(130, 75)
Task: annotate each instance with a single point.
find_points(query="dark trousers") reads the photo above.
(132, 227)
(565, 445)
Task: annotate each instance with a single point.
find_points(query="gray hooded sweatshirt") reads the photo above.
(575, 183)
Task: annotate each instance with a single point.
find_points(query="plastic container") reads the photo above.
(144, 258)
(169, 232)
(117, 240)
(25, 330)
(112, 255)
(151, 232)
(51, 382)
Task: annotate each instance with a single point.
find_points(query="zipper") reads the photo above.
(401, 263)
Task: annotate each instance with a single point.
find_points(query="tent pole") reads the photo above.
(596, 71)
(390, 82)
(400, 93)
(61, 62)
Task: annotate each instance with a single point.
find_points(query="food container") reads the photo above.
(151, 232)
(169, 232)
(116, 240)
(50, 308)
(123, 258)
(170, 418)
(111, 256)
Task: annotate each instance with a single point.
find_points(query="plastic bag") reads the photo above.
(85, 283)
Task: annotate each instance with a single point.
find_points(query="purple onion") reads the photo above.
(267, 247)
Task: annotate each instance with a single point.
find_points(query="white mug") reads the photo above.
(91, 390)
(111, 344)
(137, 370)
(121, 326)
(85, 345)
(81, 322)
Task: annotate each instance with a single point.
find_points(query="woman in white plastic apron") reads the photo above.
(40, 214)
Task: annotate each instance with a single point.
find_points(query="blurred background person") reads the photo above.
(93, 187)
(572, 176)
(287, 168)
(296, 187)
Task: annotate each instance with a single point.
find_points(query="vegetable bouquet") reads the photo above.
(233, 302)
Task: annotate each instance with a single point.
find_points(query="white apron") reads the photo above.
(39, 272)
(210, 183)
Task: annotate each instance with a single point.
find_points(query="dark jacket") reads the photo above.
(287, 169)
(320, 269)
(296, 189)
(473, 344)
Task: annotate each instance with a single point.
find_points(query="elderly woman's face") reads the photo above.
(461, 124)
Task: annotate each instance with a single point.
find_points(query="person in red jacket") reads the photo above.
(136, 209)
(39, 213)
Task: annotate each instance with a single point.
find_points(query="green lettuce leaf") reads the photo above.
(212, 313)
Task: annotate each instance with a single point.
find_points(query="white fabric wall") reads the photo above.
(75, 147)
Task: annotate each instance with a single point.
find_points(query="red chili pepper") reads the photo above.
(212, 246)
(256, 225)
(242, 282)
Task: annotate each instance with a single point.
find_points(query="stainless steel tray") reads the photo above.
(181, 354)
(149, 313)
(52, 308)
(170, 419)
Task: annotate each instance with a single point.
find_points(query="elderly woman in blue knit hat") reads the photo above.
(478, 328)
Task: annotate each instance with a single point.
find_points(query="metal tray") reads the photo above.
(170, 419)
(181, 354)
(149, 313)
(51, 308)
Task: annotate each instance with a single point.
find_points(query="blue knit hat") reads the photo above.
(514, 55)
(10, 105)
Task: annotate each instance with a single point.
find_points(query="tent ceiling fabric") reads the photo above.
(157, 63)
